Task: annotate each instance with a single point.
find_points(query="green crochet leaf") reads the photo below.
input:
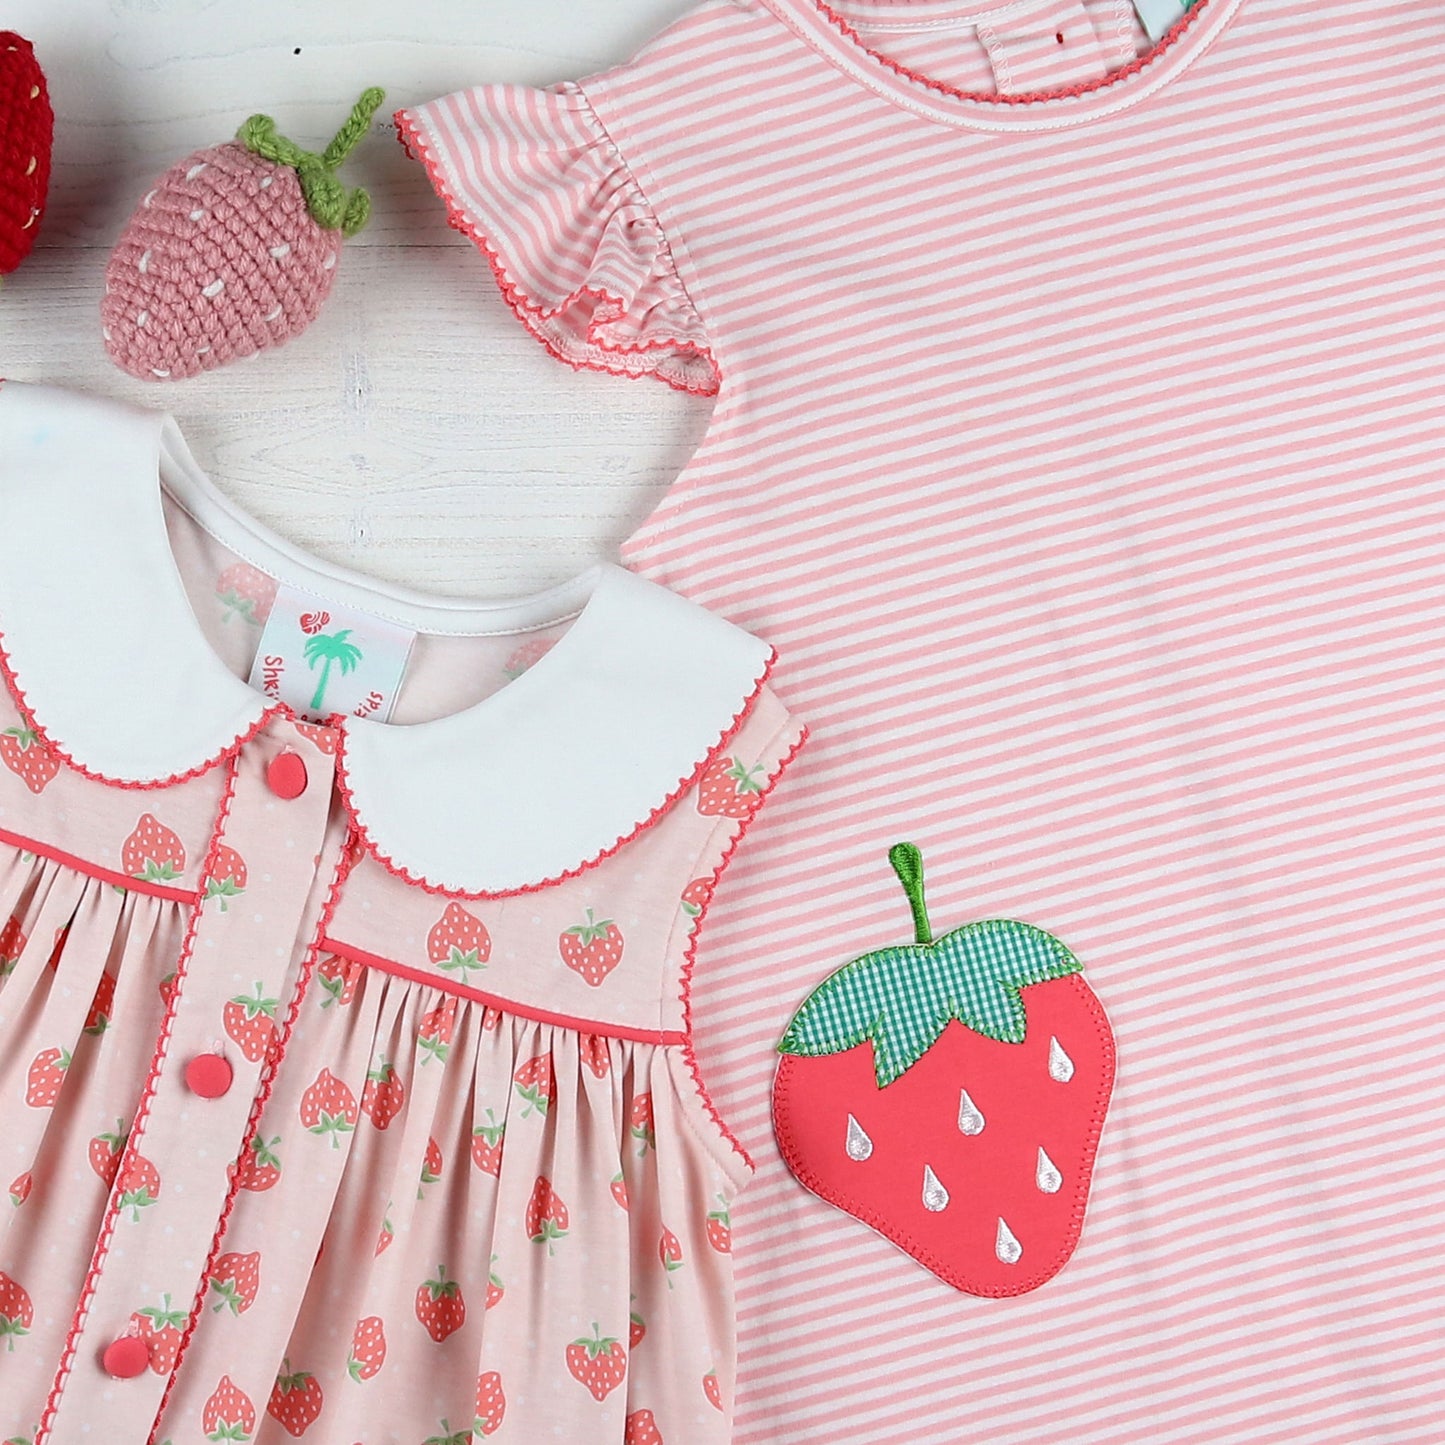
(902, 998)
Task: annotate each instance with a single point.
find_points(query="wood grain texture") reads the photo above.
(416, 431)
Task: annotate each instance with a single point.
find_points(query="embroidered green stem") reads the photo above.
(907, 863)
(331, 204)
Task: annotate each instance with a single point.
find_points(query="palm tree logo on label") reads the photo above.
(325, 650)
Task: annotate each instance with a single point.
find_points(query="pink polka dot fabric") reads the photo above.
(299, 1140)
(1077, 437)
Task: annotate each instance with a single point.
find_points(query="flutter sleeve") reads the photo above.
(532, 177)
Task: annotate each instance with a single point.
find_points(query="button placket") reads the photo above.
(244, 950)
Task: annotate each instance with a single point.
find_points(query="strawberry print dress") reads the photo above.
(346, 1068)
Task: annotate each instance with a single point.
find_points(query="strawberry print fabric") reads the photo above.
(297, 1144)
(1077, 439)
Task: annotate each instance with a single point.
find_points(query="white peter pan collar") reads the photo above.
(525, 787)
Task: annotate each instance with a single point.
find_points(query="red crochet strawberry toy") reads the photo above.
(951, 1093)
(27, 127)
(234, 249)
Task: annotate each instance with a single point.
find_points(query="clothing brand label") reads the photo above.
(1156, 16)
(322, 658)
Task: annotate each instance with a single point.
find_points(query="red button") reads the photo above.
(286, 775)
(208, 1075)
(126, 1357)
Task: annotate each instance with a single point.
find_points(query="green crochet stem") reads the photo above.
(331, 204)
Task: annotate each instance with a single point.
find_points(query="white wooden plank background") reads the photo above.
(416, 431)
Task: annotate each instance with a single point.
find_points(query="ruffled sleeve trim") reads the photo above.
(534, 180)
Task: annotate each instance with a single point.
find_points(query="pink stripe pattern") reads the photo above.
(1079, 450)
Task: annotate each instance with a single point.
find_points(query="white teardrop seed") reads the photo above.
(1008, 1249)
(144, 264)
(1047, 1175)
(970, 1120)
(935, 1196)
(858, 1144)
(215, 288)
(196, 215)
(279, 253)
(1061, 1066)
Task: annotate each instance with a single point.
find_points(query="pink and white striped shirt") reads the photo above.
(1077, 441)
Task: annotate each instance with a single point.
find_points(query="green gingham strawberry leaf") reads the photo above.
(902, 998)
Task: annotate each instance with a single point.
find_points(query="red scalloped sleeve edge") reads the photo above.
(615, 359)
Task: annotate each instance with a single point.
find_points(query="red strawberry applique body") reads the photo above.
(951, 1094)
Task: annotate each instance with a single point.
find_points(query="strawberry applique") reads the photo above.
(440, 1306)
(28, 124)
(228, 1413)
(966, 1133)
(459, 943)
(234, 249)
(487, 1141)
(20, 1188)
(328, 1107)
(729, 790)
(547, 1218)
(597, 1362)
(383, 1094)
(234, 1280)
(22, 751)
(368, 1349)
(140, 1186)
(246, 592)
(45, 1076)
(641, 1429)
(296, 1400)
(260, 1165)
(152, 852)
(228, 875)
(105, 1151)
(491, 1404)
(592, 949)
(536, 1083)
(17, 1313)
(720, 1227)
(250, 1021)
(161, 1328)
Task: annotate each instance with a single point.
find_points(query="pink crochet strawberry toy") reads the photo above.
(233, 250)
(27, 127)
